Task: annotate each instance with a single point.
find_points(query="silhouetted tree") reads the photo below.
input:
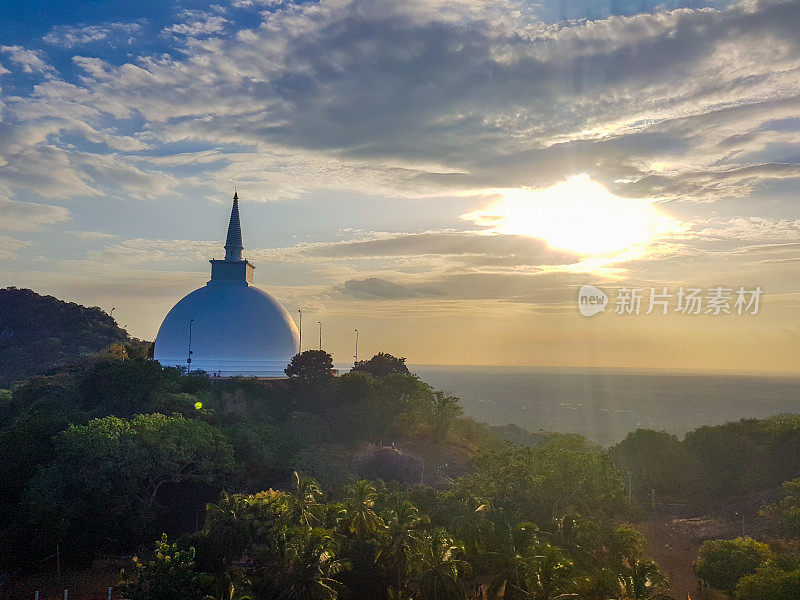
(311, 366)
(382, 364)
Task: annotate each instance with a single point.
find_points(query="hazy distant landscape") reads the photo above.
(605, 405)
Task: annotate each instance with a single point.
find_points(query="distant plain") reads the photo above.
(605, 404)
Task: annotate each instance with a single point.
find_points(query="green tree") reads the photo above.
(401, 404)
(655, 459)
(405, 528)
(382, 364)
(288, 556)
(363, 521)
(471, 525)
(440, 568)
(237, 523)
(769, 584)
(538, 572)
(311, 366)
(641, 578)
(304, 501)
(311, 380)
(444, 411)
(306, 566)
(722, 563)
(563, 475)
(355, 388)
(122, 387)
(787, 511)
(103, 486)
(229, 528)
(168, 575)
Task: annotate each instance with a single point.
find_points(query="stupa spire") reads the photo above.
(233, 243)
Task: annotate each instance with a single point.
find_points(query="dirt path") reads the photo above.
(675, 553)
(91, 584)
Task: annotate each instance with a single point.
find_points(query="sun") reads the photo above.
(577, 215)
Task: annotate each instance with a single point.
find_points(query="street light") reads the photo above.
(300, 343)
(320, 334)
(355, 356)
(189, 357)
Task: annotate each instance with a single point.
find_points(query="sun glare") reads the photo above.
(577, 215)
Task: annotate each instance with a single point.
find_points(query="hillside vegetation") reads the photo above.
(38, 333)
(372, 485)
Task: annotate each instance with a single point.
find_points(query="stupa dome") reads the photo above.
(229, 327)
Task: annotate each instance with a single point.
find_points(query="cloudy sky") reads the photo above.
(443, 175)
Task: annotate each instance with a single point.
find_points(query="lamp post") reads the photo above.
(300, 343)
(189, 357)
(320, 334)
(355, 356)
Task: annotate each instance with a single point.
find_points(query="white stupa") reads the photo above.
(229, 327)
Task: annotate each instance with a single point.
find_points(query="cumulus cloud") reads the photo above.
(432, 248)
(424, 99)
(442, 97)
(197, 23)
(30, 61)
(69, 36)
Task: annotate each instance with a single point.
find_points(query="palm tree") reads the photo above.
(333, 516)
(229, 524)
(550, 573)
(440, 568)
(304, 501)
(401, 540)
(642, 579)
(531, 570)
(510, 580)
(307, 567)
(361, 516)
(471, 526)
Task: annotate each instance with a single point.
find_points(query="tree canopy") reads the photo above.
(311, 366)
(382, 364)
(722, 563)
(105, 480)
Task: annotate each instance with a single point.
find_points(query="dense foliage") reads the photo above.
(38, 333)
(105, 455)
(376, 541)
(382, 364)
(722, 563)
(100, 492)
(118, 449)
(712, 462)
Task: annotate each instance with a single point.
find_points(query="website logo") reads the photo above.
(591, 300)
